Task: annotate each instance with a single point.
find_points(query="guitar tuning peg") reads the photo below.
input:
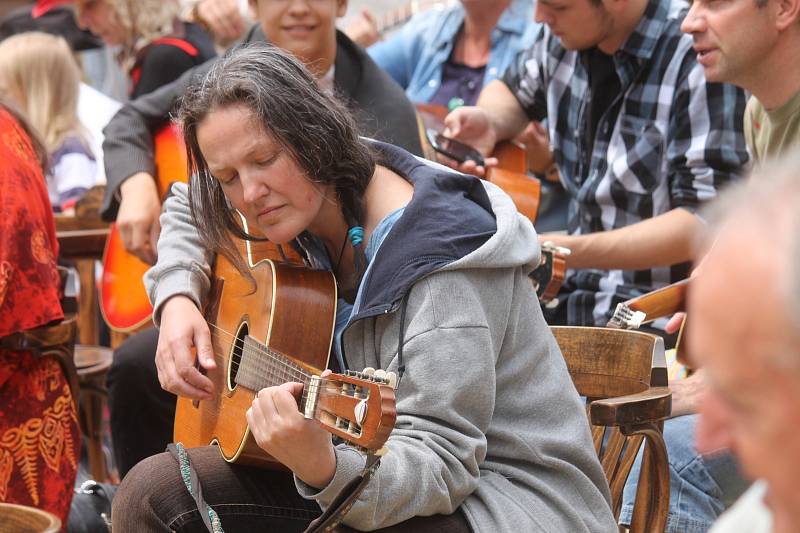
(380, 374)
(369, 371)
(391, 379)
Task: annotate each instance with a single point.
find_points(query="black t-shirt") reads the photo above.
(604, 87)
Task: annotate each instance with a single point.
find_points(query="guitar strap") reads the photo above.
(192, 482)
(326, 522)
(340, 506)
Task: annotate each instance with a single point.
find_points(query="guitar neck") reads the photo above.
(357, 407)
(662, 302)
(651, 306)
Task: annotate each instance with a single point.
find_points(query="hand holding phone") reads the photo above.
(454, 149)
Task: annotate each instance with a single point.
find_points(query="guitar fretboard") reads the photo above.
(262, 367)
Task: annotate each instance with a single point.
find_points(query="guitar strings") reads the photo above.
(290, 369)
(323, 390)
(269, 356)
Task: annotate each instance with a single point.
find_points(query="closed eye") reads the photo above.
(226, 179)
(265, 162)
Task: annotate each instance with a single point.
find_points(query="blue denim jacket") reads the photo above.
(415, 54)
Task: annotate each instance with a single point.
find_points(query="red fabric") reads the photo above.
(183, 44)
(39, 436)
(43, 6)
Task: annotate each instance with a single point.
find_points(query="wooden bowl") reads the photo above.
(23, 519)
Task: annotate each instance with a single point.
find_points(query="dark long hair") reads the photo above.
(314, 128)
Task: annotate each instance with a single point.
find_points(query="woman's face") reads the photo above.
(100, 18)
(259, 177)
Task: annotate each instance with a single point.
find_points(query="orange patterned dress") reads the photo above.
(39, 436)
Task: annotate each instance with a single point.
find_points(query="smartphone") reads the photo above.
(454, 149)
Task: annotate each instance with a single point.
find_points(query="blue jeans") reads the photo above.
(700, 487)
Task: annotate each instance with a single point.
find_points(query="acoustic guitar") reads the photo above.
(548, 276)
(277, 331)
(510, 172)
(123, 299)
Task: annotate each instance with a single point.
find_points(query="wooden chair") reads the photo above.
(23, 519)
(92, 363)
(82, 240)
(613, 369)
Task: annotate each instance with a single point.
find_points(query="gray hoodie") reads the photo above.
(487, 417)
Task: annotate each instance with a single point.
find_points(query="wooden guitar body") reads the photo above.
(510, 172)
(292, 311)
(123, 298)
(509, 175)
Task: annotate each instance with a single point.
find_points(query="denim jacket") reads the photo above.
(414, 55)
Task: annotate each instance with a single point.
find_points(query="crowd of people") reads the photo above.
(670, 125)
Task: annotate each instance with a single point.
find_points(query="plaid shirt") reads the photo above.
(675, 141)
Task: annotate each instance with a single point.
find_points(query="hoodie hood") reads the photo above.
(475, 225)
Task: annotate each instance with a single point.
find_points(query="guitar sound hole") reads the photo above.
(236, 355)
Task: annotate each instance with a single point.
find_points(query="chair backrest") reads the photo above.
(613, 369)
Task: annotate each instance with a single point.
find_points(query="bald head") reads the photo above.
(744, 329)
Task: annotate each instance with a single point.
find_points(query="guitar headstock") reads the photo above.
(666, 301)
(626, 318)
(358, 407)
(549, 275)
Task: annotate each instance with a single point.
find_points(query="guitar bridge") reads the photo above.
(626, 318)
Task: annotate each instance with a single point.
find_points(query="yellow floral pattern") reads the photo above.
(48, 438)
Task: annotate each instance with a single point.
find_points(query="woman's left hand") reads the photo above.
(282, 431)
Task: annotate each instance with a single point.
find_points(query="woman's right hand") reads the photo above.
(472, 126)
(184, 333)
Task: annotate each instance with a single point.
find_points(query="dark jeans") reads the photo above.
(142, 413)
(153, 498)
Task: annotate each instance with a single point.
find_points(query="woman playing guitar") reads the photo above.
(431, 264)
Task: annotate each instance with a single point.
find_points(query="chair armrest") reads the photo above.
(652, 405)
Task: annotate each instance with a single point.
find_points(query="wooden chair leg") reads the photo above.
(87, 303)
(93, 363)
(94, 400)
(650, 510)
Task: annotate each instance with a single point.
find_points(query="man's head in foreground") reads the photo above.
(744, 330)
